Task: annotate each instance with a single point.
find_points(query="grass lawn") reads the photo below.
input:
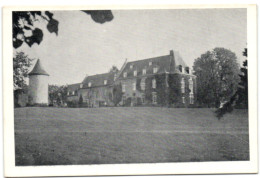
(62, 136)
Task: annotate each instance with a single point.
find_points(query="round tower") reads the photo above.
(38, 85)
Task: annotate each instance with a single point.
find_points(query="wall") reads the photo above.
(38, 89)
(176, 94)
(168, 90)
(96, 96)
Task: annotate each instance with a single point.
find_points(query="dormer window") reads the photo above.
(187, 69)
(131, 66)
(135, 73)
(105, 82)
(155, 70)
(144, 71)
(150, 63)
(125, 74)
(89, 84)
(81, 85)
(180, 68)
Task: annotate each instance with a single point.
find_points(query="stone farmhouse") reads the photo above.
(160, 81)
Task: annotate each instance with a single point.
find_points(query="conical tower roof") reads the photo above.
(38, 69)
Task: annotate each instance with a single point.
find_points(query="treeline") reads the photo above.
(221, 83)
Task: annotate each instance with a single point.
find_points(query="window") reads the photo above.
(125, 74)
(89, 84)
(150, 63)
(134, 86)
(155, 70)
(68, 93)
(135, 73)
(180, 68)
(142, 84)
(144, 71)
(182, 85)
(124, 99)
(73, 93)
(154, 83)
(76, 92)
(183, 99)
(191, 85)
(143, 98)
(191, 98)
(81, 85)
(131, 66)
(123, 87)
(105, 82)
(187, 70)
(154, 99)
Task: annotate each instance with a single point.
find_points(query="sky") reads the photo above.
(84, 47)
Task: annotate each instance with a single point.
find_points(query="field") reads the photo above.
(62, 136)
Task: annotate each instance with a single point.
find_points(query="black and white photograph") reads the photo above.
(130, 86)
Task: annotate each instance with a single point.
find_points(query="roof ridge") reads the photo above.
(147, 58)
(99, 74)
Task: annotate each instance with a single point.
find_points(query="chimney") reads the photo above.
(171, 52)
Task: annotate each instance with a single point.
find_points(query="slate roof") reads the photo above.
(168, 63)
(38, 69)
(98, 80)
(73, 87)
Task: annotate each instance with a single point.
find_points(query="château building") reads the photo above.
(162, 81)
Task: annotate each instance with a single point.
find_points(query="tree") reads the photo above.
(240, 98)
(58, 94)
(21, 64)
(242, 91)
(217, 76)
(114, 69)
(24, 21)
(117, 94)
(80, 100)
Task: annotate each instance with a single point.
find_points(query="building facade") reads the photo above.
(159, 81)
(93, 91)
(164, 80)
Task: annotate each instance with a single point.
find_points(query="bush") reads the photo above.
(37, 105)
(128, 102)
(72, 104)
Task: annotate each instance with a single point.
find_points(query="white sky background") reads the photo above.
(85, 47)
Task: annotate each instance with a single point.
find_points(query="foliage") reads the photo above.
(80, 100)
(117, 94)
(217, 76)
(73, 104)
(242, 91)
(114, 69)
(174, 88)
(57, 94)
(240, 98)
(21, 64)
(24, 24)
